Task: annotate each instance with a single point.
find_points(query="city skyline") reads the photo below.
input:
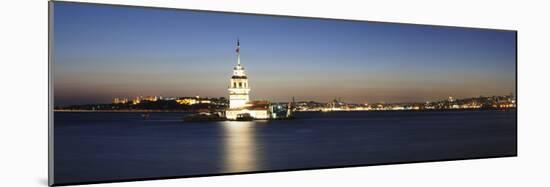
(102, 52)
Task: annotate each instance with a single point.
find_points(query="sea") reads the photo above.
(112, 146)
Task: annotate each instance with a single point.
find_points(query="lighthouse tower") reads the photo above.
(238, 87)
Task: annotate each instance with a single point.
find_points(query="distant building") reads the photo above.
(193, 100)
(239, 98)
(168, 98)
(150, 98)
(117, 100)
(136, 100)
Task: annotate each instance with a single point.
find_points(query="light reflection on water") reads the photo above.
(240, 147)
(109, 146)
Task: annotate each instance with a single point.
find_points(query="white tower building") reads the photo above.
(238, 87)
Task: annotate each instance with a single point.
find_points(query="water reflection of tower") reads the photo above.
(240, 149)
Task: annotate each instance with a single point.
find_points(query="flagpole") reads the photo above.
(238, 52)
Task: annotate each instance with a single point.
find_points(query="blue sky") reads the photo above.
(101, 52)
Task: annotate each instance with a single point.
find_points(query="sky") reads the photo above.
(101, 52)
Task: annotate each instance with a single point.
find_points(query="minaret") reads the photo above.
(238, 88)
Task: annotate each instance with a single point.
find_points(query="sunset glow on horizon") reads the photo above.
(101, 52)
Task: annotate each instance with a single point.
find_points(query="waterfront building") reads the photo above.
(239, 98)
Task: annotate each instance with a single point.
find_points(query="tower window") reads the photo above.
(234, 85)
(240, 84)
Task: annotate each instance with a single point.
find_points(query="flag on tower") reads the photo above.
(238, 46)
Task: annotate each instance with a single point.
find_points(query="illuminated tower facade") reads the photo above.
(238, 87)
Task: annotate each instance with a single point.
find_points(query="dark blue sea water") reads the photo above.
(116, 146)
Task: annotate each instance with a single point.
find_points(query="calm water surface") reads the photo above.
(113, 146)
